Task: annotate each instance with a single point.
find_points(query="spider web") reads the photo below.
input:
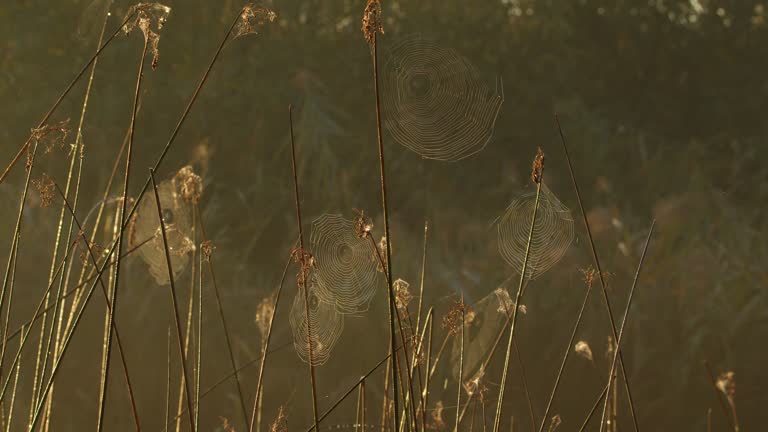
(326, 324)
(552, 234)
(434, 102)
(345, 269)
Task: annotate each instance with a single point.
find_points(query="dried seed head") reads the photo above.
(582, 348)
(251, 18)
(726, 383)
(150, 19)
(403, 294)
(264, 312)
(372, 21)
(226, 425)
(189, 184)
(453, 319)
(506, 304)
(207, 247)
(538, 166)
(281, 423)
(554, 422)
(381, 265)
(363, 224)
(44, 187)
(306, 261)
(52, 136)
(437, 422)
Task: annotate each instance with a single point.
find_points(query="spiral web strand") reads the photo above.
(552, 234)
(326, 324)
(177, 216)
(345, 271)
(435, 103)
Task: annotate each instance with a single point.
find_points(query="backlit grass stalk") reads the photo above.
(301, 257)
(222, 317)
(265, 345)
(199, 334)
(187, 340)
(372, 26)
(599, 269)
(121, 238)
(568, 349)
(612, 370)
(172, 286)
(537, 178)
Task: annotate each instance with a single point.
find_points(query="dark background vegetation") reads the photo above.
(664, 106)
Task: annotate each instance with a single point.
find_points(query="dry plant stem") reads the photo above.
(199, 335)
(382, 176)
(62, 96)
(172, 286)
(352, 389)
(13, 395)
(14, 246)
(120, 348)
(168, 384)
(720, 398)
(385, 398)
(594, 409)
(526, 390)
(423, 275)
(262, 365)
(461, 368)
(160, 159)
(25, 332)
(20, 329)
(187, 338)
(612, 370)
(599, 268)
(518, 297)
(402, 340)
(120, 241)
(565, 357)
(222, 317)
(303, 281)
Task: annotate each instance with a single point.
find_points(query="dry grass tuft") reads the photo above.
(372, 21)
(44, 187)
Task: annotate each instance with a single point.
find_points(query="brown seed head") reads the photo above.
(207, 247)
(189, 185)
(372, 21)
(363, 224)
(44, 187)
(538, 166)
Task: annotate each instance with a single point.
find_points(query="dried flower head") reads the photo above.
(150, 19)
(84, 254)
(189, 184)
(363, 224)
(52, 136)
(185, 246)
(306, 261)
(44, 187)
(726, 383)
(453, 319)
(382, 252)
(372, 23)
(226, 425)
(582, 348)
(538, 166)
(264, 312)
(403, 294)
(281, 422)
(437, 422)
(589, 275)
(251, 18)
(506, 304)
(554, 422)
(207, 247)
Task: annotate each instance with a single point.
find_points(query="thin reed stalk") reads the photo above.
(121, 239)
(599, 269)
(537, 177)
(302, 260)
(265, 346)
(626, 318)
(172, 286)
(199, 335)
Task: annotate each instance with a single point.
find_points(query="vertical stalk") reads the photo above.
(388, 269)
(303, 276)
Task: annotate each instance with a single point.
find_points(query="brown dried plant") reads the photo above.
(363, 224)
(281, 422)
(436, 422)
(381, 263)
(403, 294)
(207, 247)
(150, 19)
(306, 261)
(226, 425)
(45, 188)
(251, 18)
(52, 136)
(452, 320)
(554, 423)
(372, 23)
(538, 166)
(189, 185)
